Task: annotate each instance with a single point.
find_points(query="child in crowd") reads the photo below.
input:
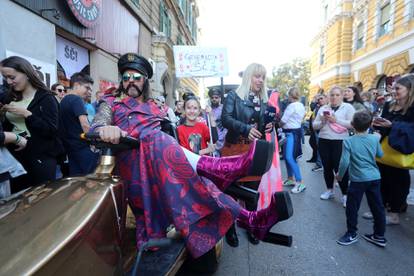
(367, 101)
(358, 154)
(195, 135)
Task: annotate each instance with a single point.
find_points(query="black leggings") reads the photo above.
(39, 170)
(395, 186)
(331, 151)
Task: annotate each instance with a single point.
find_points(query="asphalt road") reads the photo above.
(315, 226)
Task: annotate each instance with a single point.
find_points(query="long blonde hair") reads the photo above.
(245, 87)
(408, 82)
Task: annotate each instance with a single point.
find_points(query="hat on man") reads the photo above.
(214, 92)
(135, 62)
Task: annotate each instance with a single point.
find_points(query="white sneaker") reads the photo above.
(299, 187)
(289, 182)
(367, 215)
(327, 195)
(344, 198)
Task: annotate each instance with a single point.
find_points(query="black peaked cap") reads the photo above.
(135, 62)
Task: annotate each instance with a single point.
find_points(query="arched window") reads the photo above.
(381, 85)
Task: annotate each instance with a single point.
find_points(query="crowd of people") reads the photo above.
(42, 130)
(214, 147)
(349, 130)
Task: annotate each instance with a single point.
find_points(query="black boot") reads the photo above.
(252, 239)
(231, 236)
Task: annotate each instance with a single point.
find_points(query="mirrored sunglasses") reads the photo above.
(134, 76)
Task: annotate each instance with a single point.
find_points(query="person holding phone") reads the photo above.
(244, 117)
(333, 122)
(395, 182)
(32, 111)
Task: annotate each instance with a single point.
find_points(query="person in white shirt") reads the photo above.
(292, 125)
(334, 122)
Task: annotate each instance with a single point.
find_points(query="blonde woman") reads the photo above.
(243, 116)
(292, 125)
(333, 122)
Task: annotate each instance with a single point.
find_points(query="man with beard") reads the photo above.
(216, 107)
(163, 181)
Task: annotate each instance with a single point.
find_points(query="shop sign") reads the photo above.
(86, 12)
(194, 61)
(46, 71)
(72, 57)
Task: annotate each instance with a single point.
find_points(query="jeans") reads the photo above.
(82, 162)
(291, 163)
(372, 191)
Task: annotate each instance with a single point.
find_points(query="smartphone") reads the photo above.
(270, 114)
(326, 113)
(379, 119)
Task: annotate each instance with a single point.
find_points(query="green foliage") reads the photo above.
(292, 74)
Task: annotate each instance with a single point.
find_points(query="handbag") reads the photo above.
(395, 158)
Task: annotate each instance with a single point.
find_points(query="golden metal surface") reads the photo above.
(106, 165)
(44, 220)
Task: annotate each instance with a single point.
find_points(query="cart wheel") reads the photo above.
(206, 264)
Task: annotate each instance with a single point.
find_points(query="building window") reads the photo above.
(165, 21)
(385, 23)
(181, 5)
(412, 8)
(180, 40)
(136, 3)
(325, 13)
(194, 30)
(185, 7)
(360, 36)
(190, 17)
(381, 85)
(322, 55)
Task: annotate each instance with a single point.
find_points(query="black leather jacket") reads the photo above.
(237, 114)
(43, 126)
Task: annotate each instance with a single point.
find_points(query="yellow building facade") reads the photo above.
(362, 41)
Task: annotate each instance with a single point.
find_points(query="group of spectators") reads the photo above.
(347, 129)
(41, 127)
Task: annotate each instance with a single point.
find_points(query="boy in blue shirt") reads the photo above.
(358, 154)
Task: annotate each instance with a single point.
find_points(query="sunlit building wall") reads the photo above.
(362, 41)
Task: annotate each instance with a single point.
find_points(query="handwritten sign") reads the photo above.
(46, 71)
(193, 61)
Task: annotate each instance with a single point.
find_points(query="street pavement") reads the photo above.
(315, 227)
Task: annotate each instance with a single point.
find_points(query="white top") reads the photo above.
(293, 116)
(343, 117)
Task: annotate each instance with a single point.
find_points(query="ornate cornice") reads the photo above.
(360, 5)
(331, 22)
